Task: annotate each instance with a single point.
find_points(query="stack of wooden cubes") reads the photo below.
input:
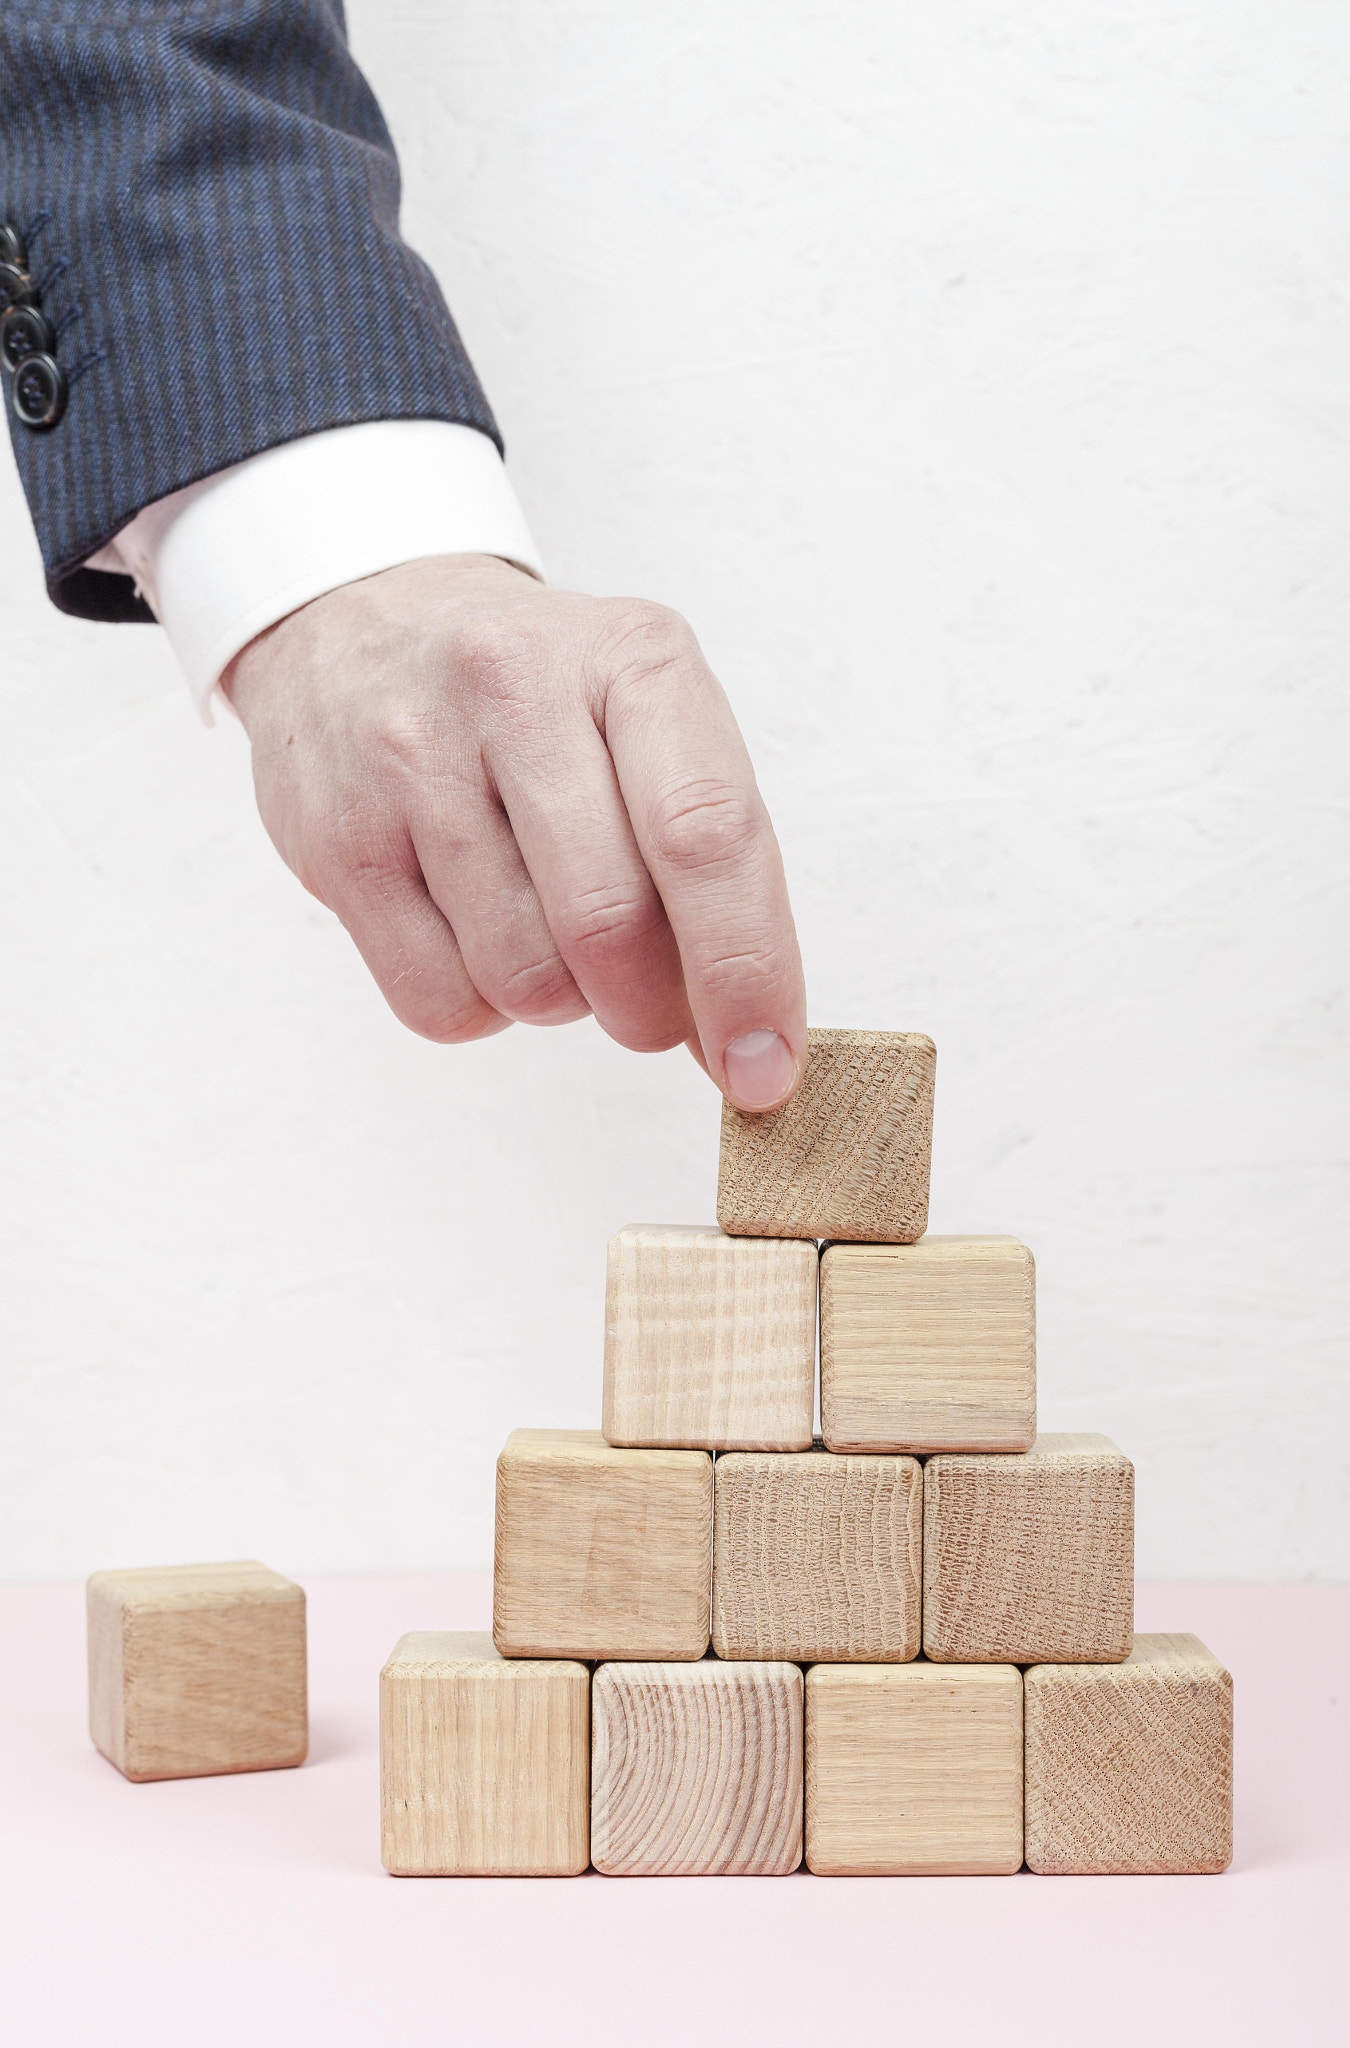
(921, 1623)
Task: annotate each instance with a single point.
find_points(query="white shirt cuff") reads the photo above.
(224, 559)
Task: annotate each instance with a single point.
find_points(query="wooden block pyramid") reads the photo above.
(923, 1659)
(722, 1645)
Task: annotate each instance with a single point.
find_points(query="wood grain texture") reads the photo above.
(484, 1763)
(696, 1770)
(1129, 1767)
(1030, 1559)
(817, 1557)
(710, 1340)
(197, 1670)
(928, 1347)
(848, 1156)
(600, 1552)
(913, 1770)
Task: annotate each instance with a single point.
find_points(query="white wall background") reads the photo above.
(975, 379)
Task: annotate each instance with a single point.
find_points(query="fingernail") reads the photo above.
(760, 1070)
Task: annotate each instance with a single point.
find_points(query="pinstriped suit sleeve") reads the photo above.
(209, 195)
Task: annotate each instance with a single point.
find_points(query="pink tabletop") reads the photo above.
(254, 1910)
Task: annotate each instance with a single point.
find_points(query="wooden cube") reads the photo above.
(913, 1770)
(817, 1557)
(696, 1770)
(710, 1340)
(484, 1764)
(848, 1156)
(928, 1346)
(197, 1669)
(1130, 1766)
(1030, 1559)
(601, 1552)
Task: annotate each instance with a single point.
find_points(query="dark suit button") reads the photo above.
(24, 331)
(16, 287)
(11, 247)
(39, 394)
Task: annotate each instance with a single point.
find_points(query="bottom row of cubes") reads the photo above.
(532, 1767)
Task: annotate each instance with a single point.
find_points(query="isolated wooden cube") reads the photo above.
(928, 1346)
(848, 1156)
(710, 1340)
(913, 1770)
(817, 1557)
(484, 1763)
(1030, 1559)
(696, 1769)
(600, 1552)
(197, 1669)
(1130, 1766)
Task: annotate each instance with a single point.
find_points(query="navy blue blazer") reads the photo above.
(202, 198)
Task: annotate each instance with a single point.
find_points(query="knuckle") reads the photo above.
(399, 734)
(366, 874)
(446, 1016)
(500, 656)
(748, 968)
(704, 826)
(650, 1034)
(354, 845)
(540, 992)
(645, 638)
(607, 926)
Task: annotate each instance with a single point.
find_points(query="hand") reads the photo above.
(527, 805)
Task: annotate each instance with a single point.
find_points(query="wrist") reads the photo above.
(227, 558)
(397, 598)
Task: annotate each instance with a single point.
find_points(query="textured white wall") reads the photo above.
(974, 378)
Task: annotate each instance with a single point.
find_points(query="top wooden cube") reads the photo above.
(710, 1340)
(848, 1157)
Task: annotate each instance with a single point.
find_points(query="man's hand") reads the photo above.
(525, 805)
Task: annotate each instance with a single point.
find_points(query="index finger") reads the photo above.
(704, 833)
